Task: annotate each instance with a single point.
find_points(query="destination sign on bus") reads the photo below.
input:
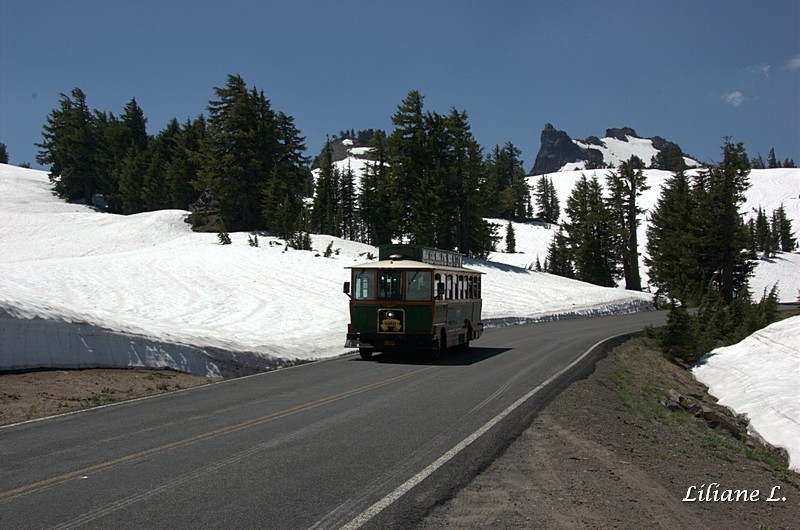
(441, 257)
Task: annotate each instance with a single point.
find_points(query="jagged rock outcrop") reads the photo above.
(557, 150)
(621, 133)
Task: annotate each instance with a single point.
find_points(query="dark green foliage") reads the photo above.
(559, 256)
(222, 233)
(548, 209)
(376, 198)
(697, 237)
(505, 192)
(626, 185)
(239, 153)
(720, 234)
(671, 255)
(408, 158)
(290, 180)
(772, 160)
(436, 170)
(590, 235)
(690, 336)
(237, 156)
(3, 154)
(782, 228)
(511, 240)
(326, 196)
(346, 212)
(132, 168)
(670, 158)
(69, 147)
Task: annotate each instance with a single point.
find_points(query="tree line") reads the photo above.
(427, 182)
(700, 250)
(243, 168)
(246, 160)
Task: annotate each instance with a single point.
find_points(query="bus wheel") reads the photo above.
(440, 347)
(465, 344)
(365, 353)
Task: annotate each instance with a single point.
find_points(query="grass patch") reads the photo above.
(642, 377)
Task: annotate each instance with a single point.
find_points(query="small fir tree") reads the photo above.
(511, 240)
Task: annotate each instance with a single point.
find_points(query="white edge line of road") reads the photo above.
(402, 489)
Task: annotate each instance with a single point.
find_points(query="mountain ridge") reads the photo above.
(560, 152)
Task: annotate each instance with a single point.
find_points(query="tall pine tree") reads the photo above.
(626, 185)
(69, 147)
(241, 145)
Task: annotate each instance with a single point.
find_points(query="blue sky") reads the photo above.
(690, 71)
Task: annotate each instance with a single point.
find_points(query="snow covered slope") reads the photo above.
(128, 290)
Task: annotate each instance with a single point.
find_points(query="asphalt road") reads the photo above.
(340, 443)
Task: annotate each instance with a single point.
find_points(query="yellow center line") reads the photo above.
(6, 496)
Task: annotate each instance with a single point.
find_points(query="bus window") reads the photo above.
(364, 285)
(449, 286)
(418, 285)
(390, 285)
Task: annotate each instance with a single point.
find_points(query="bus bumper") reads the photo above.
(382, 342)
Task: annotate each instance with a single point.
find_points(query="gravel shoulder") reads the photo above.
(31, 395)
(605, 453)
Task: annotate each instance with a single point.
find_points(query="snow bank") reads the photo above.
(760, 377)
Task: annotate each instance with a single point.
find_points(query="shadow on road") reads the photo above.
(423, 358)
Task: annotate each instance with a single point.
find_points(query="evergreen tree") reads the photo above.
(508, 195)
(185, 146)
(766, 242)
(155, 187)
(240, 150)
(547, 200)
(757, 162)
(131, 180)
(559, 256)
(471, 235)
(669, 158)
(326, 200)
(133, 130)
(626, 185)
(3, 154)
(591, 234)
(289, 182)
(377, 193)
(69, 148)
(720, 233)
(782, 228)
(406, 150)
(511, 240)
(671, 257)
(772, 160)
(432, 214)
(347, 204)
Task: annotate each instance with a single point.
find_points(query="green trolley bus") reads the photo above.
(413, 298)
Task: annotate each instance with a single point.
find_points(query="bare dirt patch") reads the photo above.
(606, 453)
(36, 394)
